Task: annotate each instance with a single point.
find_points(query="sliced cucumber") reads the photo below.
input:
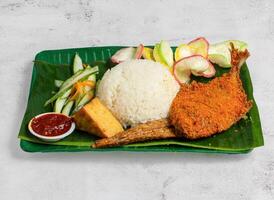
(77, 63)
(92, 77)
(156, 54)
(70, 81)
(237, 44)
(219, 53)
(166, 53)
(85, 99)
(78, 99)
(66, 110)
(60, 102)
(88, 66)
(58, 83)
(78, 76)
(97, 86)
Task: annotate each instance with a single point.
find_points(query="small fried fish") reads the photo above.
(203, 109)
(158, 129)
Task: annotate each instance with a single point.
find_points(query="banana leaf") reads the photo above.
(56, 65)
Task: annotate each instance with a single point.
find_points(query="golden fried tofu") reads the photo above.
(95, 118)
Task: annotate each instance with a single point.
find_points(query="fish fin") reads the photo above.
(237, 58)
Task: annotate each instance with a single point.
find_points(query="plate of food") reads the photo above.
(195, 97)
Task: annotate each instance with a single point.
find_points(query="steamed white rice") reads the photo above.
(138, 91)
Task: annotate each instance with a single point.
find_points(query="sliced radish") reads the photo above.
(139, 51)
(124, 54)
(199, 46)
(210, 72)
(182, 51)
(196, 64)
(182, 77)
(155, 53)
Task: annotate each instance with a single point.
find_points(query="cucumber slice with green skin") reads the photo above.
(58, 83)
(77, 63)
(85, 99)
(59, 104)
(78, 99)
(156, 55)
(92, 77)
(166, 53)
(97, 86)
(61, 101)
(219, 53)
(237, 44)
(66, 110)
(70, 81)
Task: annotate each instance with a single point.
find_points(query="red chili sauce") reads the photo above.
(51, 124)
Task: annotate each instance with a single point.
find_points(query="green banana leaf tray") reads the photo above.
(49, 65)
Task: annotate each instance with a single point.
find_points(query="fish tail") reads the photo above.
(237, 58)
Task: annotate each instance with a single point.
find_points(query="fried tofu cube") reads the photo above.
(95, 118)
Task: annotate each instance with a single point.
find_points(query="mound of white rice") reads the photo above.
(138, 91)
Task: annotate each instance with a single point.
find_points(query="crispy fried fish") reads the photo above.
(158, 129)
(203, 109)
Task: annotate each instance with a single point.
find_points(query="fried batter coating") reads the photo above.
(157, 129)
(203, 109)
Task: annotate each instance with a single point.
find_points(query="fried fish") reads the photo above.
(158, 129)
(203, 109)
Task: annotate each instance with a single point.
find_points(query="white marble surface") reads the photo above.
(27, 27)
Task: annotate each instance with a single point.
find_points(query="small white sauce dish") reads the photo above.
(50, 138)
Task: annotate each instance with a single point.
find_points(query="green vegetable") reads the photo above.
(97, 85)
(60, 102)
(79, 75)
(84, 100)
(70, 81)
(58, 83)
(219, 53)
(77, 63)
(92, 77)
(66, 110)
(166, 53)
(156, 54)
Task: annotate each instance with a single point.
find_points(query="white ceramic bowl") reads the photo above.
(51, 138)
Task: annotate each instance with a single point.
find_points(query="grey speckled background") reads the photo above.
(27, 27)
